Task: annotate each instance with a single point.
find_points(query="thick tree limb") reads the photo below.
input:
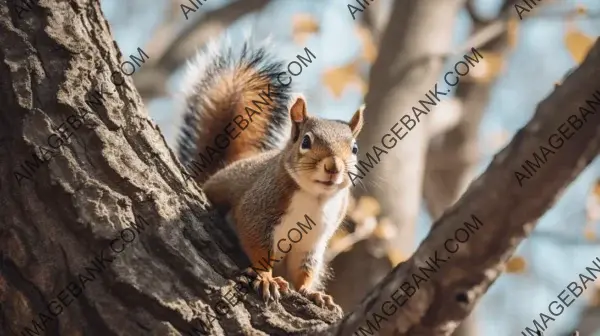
(507, 211)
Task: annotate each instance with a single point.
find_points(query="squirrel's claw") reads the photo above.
(320, 299)
(267, 286)
(284, 286)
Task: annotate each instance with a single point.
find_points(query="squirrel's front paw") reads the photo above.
(267, 286)
(320, 299)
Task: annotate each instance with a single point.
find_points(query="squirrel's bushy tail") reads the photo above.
(235, 107)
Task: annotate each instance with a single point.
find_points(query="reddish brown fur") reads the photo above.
(229, 97)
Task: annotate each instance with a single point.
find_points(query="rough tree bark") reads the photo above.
(55, 224)
(168, 279)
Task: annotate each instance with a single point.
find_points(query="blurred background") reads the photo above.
(370, 55)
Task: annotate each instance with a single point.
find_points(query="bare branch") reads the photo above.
(508, 213)
(151, 79)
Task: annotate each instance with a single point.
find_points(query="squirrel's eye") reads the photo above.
(355, 148)
(305, 142)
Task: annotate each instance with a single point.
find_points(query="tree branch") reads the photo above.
(401, 75)
(508, 213)
(152, 78)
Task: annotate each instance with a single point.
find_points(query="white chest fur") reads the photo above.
(304, 235)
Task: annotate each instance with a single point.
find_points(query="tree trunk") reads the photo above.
(71, 263)
(418, 34)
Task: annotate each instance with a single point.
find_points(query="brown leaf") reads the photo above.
(581, 10)
(369, 48)
(516, 265)
(395, 256)
(597, 189)
(303, 26)
(493, 65)
(336, 79)
(589, 233)
(578, 44)
(369, 205)
(593, 204)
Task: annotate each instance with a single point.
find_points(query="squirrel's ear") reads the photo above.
(298, 110)
(357, 121)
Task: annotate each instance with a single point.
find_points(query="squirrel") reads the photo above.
(285, 164)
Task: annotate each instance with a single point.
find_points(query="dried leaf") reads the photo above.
(578, 44)
(593, 204)
(305, 23)
(395, 256)
(589, 234)
(493, 65)
(596, 191)
(336, 79)
(369, 205)
(581, 10)
(516, 265)
(369, 48)
(303, 26)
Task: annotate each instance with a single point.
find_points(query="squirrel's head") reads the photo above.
(321, 152)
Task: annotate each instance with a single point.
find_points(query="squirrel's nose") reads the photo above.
(333, 165)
